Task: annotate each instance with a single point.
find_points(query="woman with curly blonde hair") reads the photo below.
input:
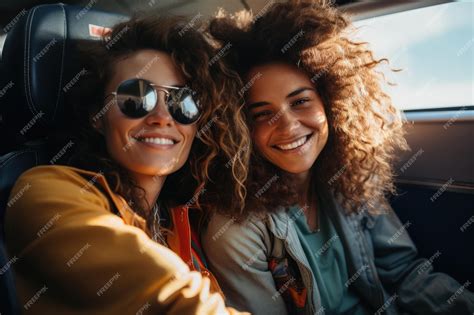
(317, 234)
(110, 233)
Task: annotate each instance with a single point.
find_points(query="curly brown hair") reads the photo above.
(221, 129)
(365, 128)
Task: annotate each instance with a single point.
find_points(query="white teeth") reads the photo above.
(293, 145)
(157, 140)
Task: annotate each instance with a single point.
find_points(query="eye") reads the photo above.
(259, 116)
(300, 101)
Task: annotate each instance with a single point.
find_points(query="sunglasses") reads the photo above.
(136, 98)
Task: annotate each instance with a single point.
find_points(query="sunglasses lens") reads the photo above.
(182, 106)
(136, 98)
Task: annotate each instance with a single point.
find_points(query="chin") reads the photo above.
(164, 170)
(153, 170)
(295, 169)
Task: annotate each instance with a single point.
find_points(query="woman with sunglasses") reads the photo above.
(110, 233)
(318, 235)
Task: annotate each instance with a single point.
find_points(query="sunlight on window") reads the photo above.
(2, 42)
(434, 48)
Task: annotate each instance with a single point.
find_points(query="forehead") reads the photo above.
(275, 79)
(153, 65)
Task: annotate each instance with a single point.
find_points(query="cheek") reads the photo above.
(320, 119)
(116, 132)
(323, 127)
(315, 117)
(188, 133)
(260, 137)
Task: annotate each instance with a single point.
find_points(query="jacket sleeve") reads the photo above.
(65, 238)
(237, 255)
(419, 290)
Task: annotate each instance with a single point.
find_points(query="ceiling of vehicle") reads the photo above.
(358, 9)
(10, 8)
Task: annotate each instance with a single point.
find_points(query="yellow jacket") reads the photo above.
(72, 255)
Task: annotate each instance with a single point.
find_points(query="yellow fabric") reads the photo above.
(72, 255)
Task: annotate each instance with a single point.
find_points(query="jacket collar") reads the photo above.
(278, 223)
(128, 215)
(179, 238)
(279, 220)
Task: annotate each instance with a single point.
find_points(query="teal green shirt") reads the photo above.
(325, 254)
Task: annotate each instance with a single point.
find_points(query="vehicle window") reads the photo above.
(2, 41)
(434, 48)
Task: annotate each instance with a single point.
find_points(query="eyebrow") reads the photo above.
(294, 93)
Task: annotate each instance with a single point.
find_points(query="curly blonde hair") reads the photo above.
(222, 131)
(365, 128)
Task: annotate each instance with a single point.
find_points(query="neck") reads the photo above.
(302, 183)
(152, 186)
(306, 199)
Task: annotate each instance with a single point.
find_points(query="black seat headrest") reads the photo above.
(40, 58)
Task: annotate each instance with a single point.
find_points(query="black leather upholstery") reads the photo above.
(39, 67)
(40, 59)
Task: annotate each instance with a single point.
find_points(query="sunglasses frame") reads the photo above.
(159, 88)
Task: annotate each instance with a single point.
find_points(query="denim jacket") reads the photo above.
(261, 266)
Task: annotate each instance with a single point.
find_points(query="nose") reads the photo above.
(159, 115)
(287, 122)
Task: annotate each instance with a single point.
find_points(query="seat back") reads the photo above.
(40, 64)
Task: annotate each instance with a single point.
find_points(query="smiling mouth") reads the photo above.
(156, 140)
(295, 144)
